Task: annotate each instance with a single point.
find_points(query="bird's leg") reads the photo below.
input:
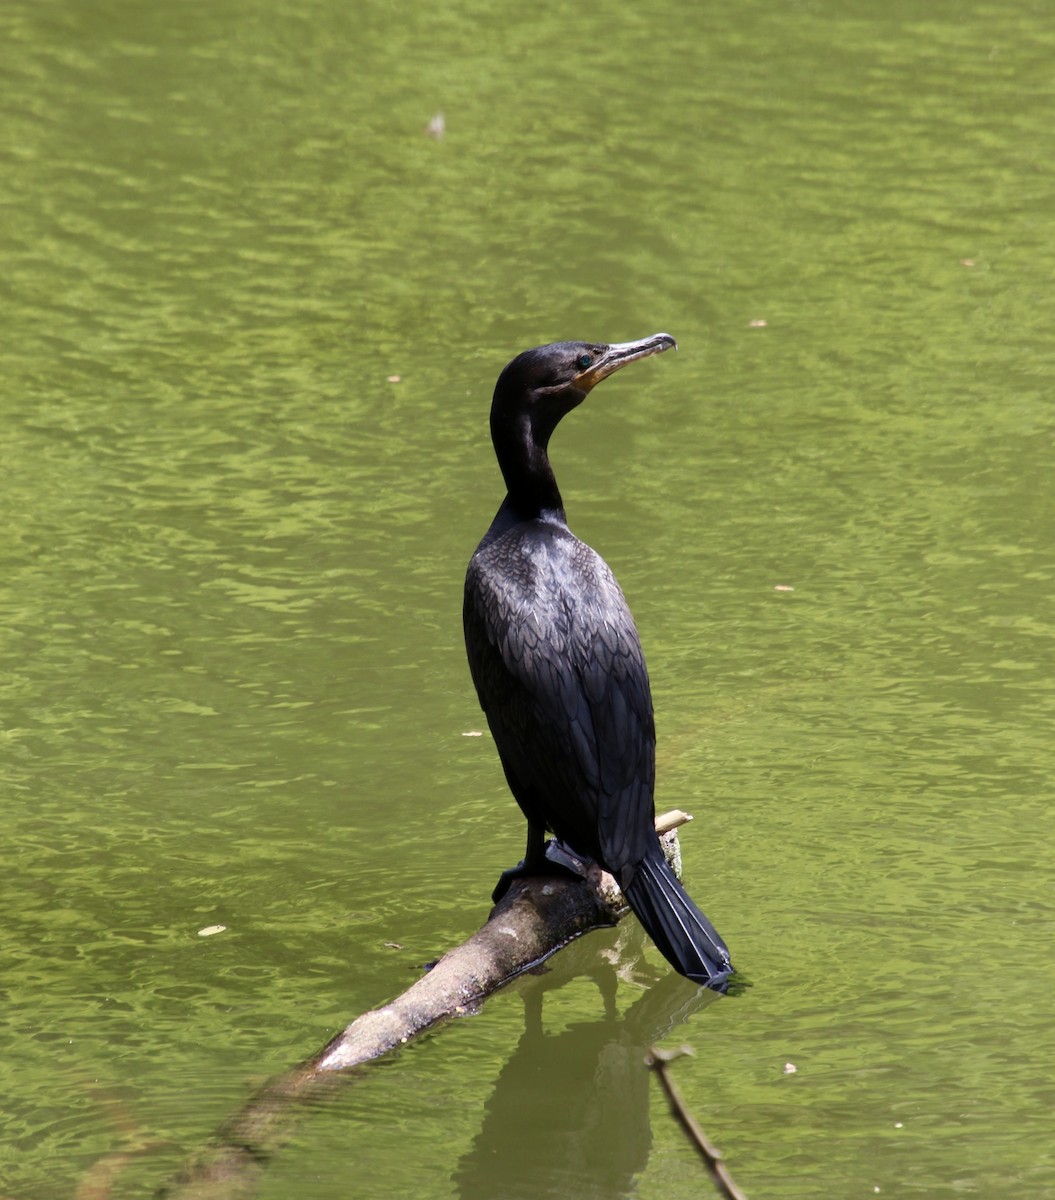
(533, 863)
(535, 852)
(541, 858)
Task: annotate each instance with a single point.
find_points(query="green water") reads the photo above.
(232, 687)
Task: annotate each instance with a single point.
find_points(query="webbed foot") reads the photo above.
(567, 861)
(558, 859)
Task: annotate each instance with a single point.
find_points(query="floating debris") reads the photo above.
(437, 127)
(790, 1069)
(393, 379)
(210, 930)
(757, 323)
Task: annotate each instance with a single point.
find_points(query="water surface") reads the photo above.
(234, 690)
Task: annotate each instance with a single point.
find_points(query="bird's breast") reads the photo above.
(541, 584)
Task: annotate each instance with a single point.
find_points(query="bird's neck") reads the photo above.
(531, 486)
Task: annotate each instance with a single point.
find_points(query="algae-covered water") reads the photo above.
(251, 317)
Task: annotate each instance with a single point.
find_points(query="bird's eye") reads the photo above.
(584, 361)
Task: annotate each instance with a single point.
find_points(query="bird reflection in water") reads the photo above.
(569, 1114)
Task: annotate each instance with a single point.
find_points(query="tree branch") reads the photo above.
(709, 1152)
(534, 919)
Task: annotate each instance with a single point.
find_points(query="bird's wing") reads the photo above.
(615, 684)
(559, 670)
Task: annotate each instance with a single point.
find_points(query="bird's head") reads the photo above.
(539, 386)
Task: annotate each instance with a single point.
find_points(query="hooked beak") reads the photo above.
(619, 354)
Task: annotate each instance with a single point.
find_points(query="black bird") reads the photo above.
(558, 667)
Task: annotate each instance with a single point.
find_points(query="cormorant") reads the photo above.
(557, 663)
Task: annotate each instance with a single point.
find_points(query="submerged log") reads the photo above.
(535, 918)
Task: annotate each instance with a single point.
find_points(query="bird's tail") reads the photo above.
(688, 941)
